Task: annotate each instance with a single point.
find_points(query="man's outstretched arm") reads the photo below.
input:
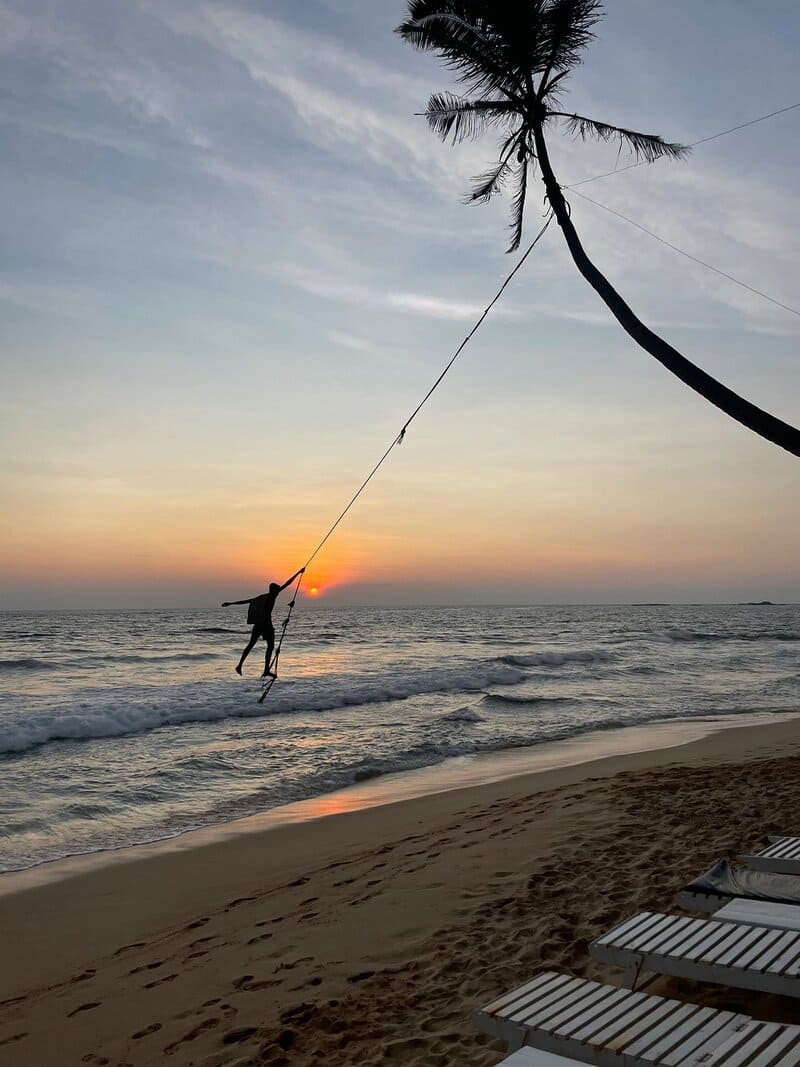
(289, 581)
(231, 603)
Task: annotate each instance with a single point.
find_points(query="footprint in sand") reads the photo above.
(83, 1007)
(235, 1037)
(248, 984)
(147, 967)
(237, 902)
(14, 1038)
(259, 937)
(311, 983)
(151, 1029)
(207, 1024)
(127, 948)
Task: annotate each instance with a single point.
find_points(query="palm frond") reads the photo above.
(648, 146)
(518, 207)
(451, 115)
(567, 27)
(486, 185)
(461, 32)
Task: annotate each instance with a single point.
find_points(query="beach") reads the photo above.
(369, 935)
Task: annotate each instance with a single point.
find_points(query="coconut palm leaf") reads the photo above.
(451, 115)
(458, 31)
(518, 207)
(486, 185)
(648, 146)
(567, 28)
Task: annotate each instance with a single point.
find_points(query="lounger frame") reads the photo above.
(608, 1026)
(781, 856)
(743, 955)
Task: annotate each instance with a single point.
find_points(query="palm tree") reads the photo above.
(513, 58)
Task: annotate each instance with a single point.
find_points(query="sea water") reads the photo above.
(120, 727)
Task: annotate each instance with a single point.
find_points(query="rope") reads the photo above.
(694, 144)
(694, 259)
(268, 682)
(398, 440)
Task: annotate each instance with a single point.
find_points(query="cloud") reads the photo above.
(346, 340)
(439, 308)
(330, 287)
(346, 103)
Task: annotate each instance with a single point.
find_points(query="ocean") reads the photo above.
(123, 727)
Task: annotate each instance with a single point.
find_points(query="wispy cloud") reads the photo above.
(347, 340)
(322, 284)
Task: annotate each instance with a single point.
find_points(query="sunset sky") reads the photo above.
(234, 259)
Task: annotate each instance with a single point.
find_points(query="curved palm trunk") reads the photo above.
(761, 422)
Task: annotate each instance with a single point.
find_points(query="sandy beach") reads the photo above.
(368, 936)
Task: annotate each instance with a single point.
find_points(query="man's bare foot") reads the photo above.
(269, 674)
(238, 669)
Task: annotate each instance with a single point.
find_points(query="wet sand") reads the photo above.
(368, 936)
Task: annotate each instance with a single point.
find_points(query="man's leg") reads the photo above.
(254, 636)
(269, 637)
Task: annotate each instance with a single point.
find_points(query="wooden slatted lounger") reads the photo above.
(612, 1027)
(782, 856)
(766, 959)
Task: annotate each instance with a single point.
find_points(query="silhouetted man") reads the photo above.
(260, 615)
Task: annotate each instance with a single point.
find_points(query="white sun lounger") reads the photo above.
(611, 1027)
(781, 856)
(765, 959)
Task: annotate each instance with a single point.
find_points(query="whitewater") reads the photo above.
(120, 727)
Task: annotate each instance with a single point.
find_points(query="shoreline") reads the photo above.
(451, 774)
(383, 925)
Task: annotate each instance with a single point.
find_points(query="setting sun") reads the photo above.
(313, 591)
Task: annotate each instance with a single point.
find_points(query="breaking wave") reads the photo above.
(126, 711)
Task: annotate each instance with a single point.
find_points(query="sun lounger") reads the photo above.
(781, 856)
(611, 1027)
(724, 883)
(765, 959)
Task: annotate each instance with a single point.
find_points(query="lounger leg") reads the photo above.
(635, 978)
(517, 1039)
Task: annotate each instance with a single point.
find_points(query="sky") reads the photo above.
(233, 258)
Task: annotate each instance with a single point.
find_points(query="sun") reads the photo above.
(313, 591)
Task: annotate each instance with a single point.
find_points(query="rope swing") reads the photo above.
(269, 681)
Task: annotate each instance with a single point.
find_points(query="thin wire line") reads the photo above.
(399, 438)
(269, 681)
(688, 255)
(694, 144)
